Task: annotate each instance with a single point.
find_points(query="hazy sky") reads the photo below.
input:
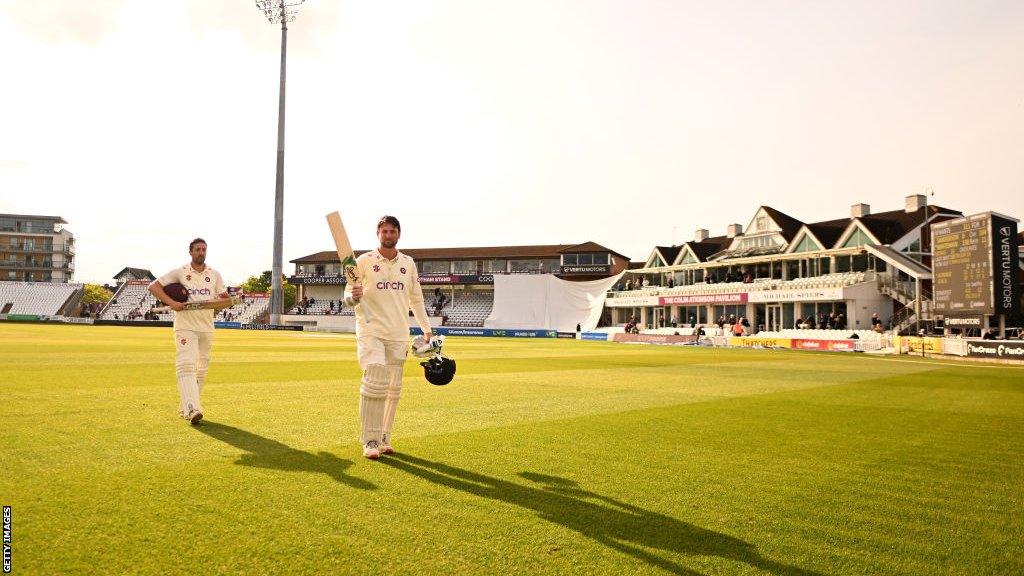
(630, 123)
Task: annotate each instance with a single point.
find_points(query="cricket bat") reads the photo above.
(217, 304)
(344, 247)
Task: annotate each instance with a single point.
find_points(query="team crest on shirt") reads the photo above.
(183, 341)
(207, 278)
(376, 268)
(402, 270)
(188, 277)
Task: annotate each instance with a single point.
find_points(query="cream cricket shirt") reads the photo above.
(390, 289)
(201, 286)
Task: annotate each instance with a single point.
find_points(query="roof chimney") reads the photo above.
(859, 210)
(700, 235)
(734, 230)
(915, 202)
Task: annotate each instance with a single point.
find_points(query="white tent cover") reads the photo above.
(542, 301)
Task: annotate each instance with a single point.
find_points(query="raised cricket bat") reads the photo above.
(344, 247)
(217, 304)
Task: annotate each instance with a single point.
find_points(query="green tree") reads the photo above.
(261, 283)
(96, 294)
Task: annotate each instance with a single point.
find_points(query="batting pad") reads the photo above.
(185, 371)
(391, 405)
(372, 395)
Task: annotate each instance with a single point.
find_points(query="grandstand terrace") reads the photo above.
(39, 298)
(458, 283)
(133, 302)
(785, 274)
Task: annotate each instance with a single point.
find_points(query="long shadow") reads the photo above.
(615, 524)
(266, 453)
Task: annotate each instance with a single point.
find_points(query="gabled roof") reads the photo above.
(703, 250)
(684, 248)
(590, 246)
(787, 223)
(668, 253)
(140, 273)
(890, 226)
(804, 233)
(469, 253)
(829, 231)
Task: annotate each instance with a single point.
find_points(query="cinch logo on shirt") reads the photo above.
(390, 286)
(199, 291)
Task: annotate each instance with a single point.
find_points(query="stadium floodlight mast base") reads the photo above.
(279, 12)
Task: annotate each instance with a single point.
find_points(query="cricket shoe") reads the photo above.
(385, 448)
(194, 416)
(371, 450)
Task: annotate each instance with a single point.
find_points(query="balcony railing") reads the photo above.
(43, 249)
(44, 265)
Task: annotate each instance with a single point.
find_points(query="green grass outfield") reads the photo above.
(543, 457)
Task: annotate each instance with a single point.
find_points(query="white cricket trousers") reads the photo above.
(191, 361)
(381, 386)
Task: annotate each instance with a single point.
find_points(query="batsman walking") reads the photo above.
(389, 289)
(193, 329)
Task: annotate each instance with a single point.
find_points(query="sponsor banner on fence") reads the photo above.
(602, 336)
(654, 338)
(566, 335)
(913, 344)
(737, 298)
(804, 295)
(335, 279)
(755, 341)
(269, 327)
(1000, 349)
(23, 317)
(828, 345)
(71, 320)
(227, 324)
(160, 323)
(498, 332)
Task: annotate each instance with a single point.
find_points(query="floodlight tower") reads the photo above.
(283, 12)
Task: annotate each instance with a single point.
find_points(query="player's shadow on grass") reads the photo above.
(618, 525)
(266, 453)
